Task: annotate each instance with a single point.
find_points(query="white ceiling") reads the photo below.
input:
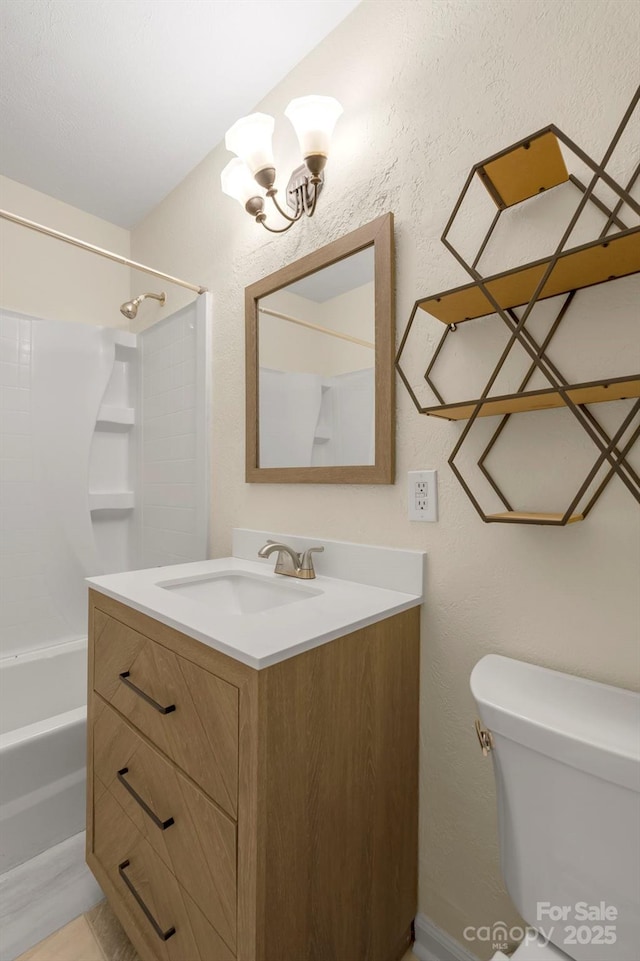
(108, 104)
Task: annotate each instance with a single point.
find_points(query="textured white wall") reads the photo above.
(430, 88)
(47, 278)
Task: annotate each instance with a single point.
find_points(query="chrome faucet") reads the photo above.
(289, 562)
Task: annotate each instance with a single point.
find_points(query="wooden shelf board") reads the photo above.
(594, 263)
(530, 517)
(525, 170)
(598, 392)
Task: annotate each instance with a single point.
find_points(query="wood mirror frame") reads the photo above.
(379, 235)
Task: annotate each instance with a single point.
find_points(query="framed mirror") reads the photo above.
(320, 336)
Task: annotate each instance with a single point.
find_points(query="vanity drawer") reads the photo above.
(193, 837)
(176, 928)
(187, 712)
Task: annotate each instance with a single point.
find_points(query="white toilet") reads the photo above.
(566, 755)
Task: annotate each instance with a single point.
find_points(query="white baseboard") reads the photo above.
(434, 944)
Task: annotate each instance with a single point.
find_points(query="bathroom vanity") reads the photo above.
(252, 784)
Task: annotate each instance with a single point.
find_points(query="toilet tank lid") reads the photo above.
(591, 726)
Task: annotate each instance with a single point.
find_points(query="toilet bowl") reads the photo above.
(566, 759)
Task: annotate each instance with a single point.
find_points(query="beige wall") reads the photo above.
(429, 88)
(351, 313)
(47, 278)
(287, 346)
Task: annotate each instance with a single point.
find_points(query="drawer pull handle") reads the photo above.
(163, 935)
(124, 677)
(163, 825)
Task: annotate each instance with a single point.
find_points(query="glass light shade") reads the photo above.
(237, 182)
(314, 119)
(250, 139)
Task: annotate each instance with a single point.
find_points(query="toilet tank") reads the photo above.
(566, 755)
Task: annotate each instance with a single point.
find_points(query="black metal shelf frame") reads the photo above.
(609, 451)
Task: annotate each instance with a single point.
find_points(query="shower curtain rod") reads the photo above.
(118, 258)
(322, 330)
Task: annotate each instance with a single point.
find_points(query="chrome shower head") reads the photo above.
(130, 309)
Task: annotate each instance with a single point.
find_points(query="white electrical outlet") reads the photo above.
(423, 495)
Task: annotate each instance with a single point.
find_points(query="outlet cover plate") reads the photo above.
(422, 495)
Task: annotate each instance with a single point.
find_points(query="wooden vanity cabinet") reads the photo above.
(264, 815)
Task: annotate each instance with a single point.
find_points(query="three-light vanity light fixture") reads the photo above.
(251, 175)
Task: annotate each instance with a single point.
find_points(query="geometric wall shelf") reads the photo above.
(511, 177)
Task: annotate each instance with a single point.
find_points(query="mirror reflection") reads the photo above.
(316, 350)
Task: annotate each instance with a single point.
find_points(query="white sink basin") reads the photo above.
(241, 608)
(238, 592)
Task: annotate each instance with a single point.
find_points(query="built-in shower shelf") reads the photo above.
(111, 500)
(112, 415)
(124, 340)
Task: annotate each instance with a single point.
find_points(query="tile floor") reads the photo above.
(94, 936)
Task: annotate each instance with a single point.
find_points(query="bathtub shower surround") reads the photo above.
(46, 541)
(84, 490)
(103, 462)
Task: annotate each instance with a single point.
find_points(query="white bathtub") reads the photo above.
(43, 720)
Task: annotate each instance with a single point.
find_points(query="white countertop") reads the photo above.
(259, 640)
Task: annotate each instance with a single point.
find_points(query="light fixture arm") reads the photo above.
(310, 211)
(275, 230)
(304, 206)
(299, 208)
(301, 191)
(313, 119)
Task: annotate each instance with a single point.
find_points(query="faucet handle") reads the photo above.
(306, 560)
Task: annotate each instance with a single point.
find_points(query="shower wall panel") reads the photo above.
(173, 461)
(52, 379)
